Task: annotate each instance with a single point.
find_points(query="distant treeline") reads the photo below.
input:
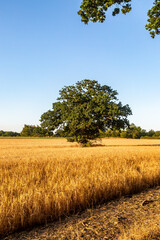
(8, 134)
(132, 132)
(36, 131)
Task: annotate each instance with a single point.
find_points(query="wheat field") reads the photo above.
(42, 180)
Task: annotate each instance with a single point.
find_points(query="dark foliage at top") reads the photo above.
(95, 11)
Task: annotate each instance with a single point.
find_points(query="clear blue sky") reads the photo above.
(44, 47)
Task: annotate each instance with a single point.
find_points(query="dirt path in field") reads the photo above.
(109, 221)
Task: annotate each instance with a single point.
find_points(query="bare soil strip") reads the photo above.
(130, 217)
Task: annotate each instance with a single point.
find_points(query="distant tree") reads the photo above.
(34, 131)
(123, 134)
(156, 134)
(1, 132)
(95, 10)
(85, 109)
(27, 130)
(150, 133)
(108, 133)
(39, 132)
(133, 132)
(8, 134)
(112, 133)
(143, 133)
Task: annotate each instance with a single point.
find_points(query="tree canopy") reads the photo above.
(85, 109)
(95, 10)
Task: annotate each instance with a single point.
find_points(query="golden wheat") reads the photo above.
(44, 179)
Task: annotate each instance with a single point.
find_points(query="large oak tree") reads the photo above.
(95, 10)
(85, 109)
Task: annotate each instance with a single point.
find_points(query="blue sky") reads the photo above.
(44, 46)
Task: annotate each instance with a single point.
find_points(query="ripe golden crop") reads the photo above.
(44, 179)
